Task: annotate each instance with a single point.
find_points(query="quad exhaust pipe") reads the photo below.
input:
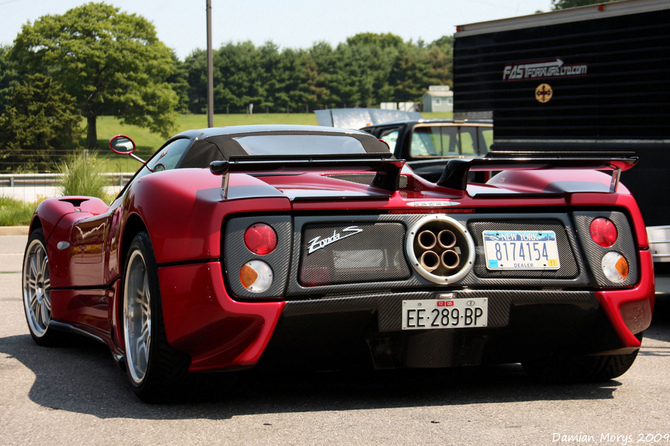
(427, 239)
(444, 241)
(430, 260)
(440, 249)
(447, 238)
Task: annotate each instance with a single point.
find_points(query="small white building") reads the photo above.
(402, 106)
(438, 98)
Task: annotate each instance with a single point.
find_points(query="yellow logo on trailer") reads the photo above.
(543, 93)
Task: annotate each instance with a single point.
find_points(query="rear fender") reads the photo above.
(56, 216)
(183, 211)
(50, 211)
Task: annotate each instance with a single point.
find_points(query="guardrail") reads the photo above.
(32, 179)
(31, 187)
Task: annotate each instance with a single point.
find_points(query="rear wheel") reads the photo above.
(573, 369)
(37, 289)
(156, 371)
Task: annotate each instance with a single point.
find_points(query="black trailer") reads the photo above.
(589, 78)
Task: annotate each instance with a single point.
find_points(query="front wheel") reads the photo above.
(156, 371)
(37, 289)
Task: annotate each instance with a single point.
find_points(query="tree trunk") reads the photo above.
(91, 132)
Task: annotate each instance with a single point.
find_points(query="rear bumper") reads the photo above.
(201, 320)
(346, 332)
(365, 329)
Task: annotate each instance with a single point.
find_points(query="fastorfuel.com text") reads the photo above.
(610, 438)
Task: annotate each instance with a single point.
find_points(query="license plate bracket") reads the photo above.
(429, 314)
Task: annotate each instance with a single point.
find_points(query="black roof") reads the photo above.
(222, 143)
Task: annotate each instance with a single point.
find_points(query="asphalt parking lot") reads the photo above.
(77, 395)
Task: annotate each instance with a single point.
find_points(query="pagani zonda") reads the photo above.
(313, 247)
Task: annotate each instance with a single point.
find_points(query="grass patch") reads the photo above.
(81, 176)
(15, 212)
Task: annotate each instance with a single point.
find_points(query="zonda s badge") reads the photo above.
(319, 243)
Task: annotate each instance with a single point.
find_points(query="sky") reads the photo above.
(182, 26)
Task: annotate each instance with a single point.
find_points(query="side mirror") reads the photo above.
(123, 145)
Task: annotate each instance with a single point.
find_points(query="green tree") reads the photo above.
(111, 62)
(565, 4)
(41, 122)
(384, 40)
(288, 96)
(9, 78)
(439, 58)
(238, 80)
(178, 80)
(315, 65)
(409, 73)
(196, 75)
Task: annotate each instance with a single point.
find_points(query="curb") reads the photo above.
(14, 230)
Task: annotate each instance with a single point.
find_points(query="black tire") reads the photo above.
(156, 371)
(36, 290)
(568, 369)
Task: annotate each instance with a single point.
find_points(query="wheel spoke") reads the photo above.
(45, 314)
(146, 311)
(33, 267)
(38, 315)
(44, 263)
(33, 302)
(145, 336)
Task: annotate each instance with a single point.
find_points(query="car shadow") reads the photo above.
(82, 378)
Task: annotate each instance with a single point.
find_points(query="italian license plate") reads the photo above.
(444, 313)
(521, 250)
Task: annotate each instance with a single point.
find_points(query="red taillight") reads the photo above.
(603, 232)
(260, 238)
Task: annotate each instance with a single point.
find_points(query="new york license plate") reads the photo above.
(444, 313)
(521, 250)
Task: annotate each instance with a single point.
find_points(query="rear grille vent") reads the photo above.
(440, 249)
(352, 253)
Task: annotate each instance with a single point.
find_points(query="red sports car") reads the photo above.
(313, 247)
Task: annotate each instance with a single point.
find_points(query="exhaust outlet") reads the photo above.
(450, 259)
(446, 238)
(430, 260)
(427, 239)
(440, 249)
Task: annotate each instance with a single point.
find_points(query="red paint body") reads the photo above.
(183, 212)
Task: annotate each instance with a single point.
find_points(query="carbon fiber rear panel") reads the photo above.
(333, 255)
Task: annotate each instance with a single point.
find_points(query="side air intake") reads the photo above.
(440, 249)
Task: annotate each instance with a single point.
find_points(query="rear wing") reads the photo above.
(455, 175)
(386, 167)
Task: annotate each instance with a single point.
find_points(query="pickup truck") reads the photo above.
(426, 144)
